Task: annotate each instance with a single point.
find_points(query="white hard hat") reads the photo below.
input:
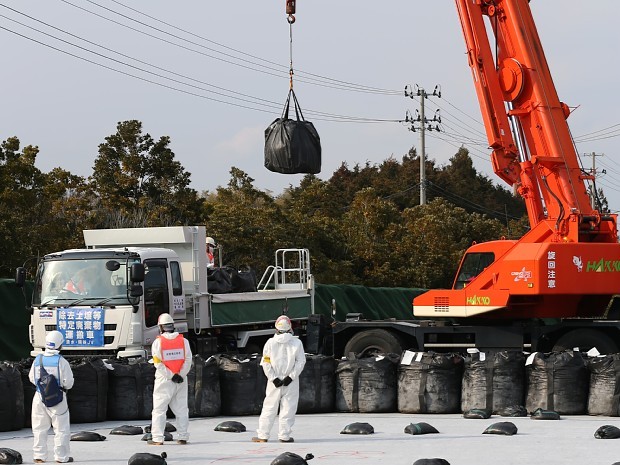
(165, 322)
(210, 241)
(54, 340)
(283, 324)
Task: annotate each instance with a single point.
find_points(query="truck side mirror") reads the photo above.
(20, 276)
(136, 274)
(136, 290)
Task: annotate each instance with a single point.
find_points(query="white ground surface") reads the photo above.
(460, 441)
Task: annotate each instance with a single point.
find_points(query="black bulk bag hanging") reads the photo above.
(292, 146)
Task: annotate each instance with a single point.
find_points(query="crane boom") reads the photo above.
(567, 264)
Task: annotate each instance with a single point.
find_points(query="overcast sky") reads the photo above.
(213, 75)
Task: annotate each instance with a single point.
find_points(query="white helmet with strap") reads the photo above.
(54, 340)
(166, 323)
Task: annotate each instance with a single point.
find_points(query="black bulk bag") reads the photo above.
(317, 385)
(23, 366)
(243, 279)
(88, 398)
(11, 398)
(292, 146)
(203, 388)
(429, 382)
(242, 384)
(557, 381)
(493, 380)
(367, 385)
(219, 280)
(130, 389)
(604, 394)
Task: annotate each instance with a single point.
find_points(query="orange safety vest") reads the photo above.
(173, 353)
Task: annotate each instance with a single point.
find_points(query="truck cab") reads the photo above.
(106, 298)
(105, 301)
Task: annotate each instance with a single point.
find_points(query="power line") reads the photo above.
(258, 101)
(270, 68)
(368, 88)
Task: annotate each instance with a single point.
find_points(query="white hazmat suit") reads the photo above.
(283, 356)
(167, 393)
(57, 416)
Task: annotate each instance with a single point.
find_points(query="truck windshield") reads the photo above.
(93, 281)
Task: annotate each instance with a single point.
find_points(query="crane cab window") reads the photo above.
(473, 264)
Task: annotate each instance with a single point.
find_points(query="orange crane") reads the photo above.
(568, 264)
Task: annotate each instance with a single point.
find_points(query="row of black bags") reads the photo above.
(568, 382)
(225, 279)
(123, 390)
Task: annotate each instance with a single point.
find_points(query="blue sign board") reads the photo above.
(81, 327)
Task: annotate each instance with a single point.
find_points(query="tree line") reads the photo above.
(363, 225)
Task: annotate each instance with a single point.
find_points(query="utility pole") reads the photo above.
(593, 173)
(424, 124)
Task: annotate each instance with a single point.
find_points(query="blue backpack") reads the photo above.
(47, 384)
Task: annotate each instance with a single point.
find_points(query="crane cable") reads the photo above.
(290, 11)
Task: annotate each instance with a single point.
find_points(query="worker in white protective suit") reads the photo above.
(283, 361)
(57, 416)
(172, 357)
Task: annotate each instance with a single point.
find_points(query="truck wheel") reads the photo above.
(372, 342)
(585, 339)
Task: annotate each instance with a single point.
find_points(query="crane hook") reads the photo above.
(290, 11)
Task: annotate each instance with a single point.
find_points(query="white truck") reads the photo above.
(106, 298)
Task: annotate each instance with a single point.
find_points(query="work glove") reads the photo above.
(286, 381)
(277, 382)
(177, 378)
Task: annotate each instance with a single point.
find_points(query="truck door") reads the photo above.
(156, 293)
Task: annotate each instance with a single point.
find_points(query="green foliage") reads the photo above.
(28, 224)
(139, 183)
(437, 235)
(246, 222)
(461, 184)
(362, 226)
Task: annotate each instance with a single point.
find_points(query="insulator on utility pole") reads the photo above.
(425, 125)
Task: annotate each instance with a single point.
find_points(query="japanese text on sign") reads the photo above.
(81, 327)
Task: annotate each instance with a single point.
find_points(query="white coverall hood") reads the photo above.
(283, 338)
(170, 335)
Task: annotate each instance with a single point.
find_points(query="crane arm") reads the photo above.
(519, 102)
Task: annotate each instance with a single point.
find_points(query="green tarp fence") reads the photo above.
(14, 321)
(375, 303)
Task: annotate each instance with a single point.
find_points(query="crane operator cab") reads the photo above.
(472, 265)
